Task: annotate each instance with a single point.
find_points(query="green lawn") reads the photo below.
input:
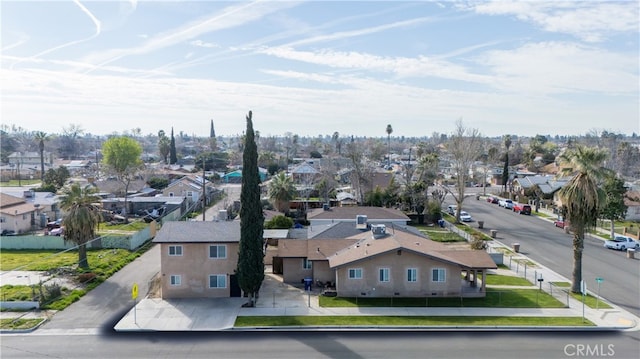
(495, 298)
(103, 263)
(562, 284)
(260, 321)
(496, 279)
(443, 236)
(133, 226)
(15, 183)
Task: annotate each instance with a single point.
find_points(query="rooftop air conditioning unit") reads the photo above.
(361, 221)
(378, 230)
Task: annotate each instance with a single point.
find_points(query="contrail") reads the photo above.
(96, 22)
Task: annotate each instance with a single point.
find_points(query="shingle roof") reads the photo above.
(348, 229)
(367, 246)
(198, 232)
(350, 213)
(313, 249)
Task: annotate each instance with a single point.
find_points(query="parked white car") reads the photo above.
(622, 243)
(506, 203)
(465, 217)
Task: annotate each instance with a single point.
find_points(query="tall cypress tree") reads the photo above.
(173, 157)
(251, 256)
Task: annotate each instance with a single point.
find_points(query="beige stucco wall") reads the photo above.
(322, 272)
(292, 271)
(398, 265)
(194, 267)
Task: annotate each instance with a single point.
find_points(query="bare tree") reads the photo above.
(463, 147)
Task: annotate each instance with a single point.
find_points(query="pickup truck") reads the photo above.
(622, 243)
(522, 208)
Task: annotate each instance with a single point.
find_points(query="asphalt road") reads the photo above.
(458, 344)
(552, 247)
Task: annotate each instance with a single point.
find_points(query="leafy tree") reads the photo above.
(213, 161)
(121, 156)
(251, 256)
(41, 137)
(614, 208)
(7, 146)
(81, 218)
(282, 191)
(158, 183)
(172, 149)
(279, 222)
(164, 145)
(315, 154)
(581, 197)
(56, 177)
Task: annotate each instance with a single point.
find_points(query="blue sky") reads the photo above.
(521, 67)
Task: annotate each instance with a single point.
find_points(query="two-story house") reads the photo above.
(199, 259)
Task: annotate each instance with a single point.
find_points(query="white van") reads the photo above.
(451, 209)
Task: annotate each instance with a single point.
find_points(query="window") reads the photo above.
(438, 275)
(306, 263)
(171, 194)
(218, 251)
(412, 275)
(175, 250)
(383, 274)
(218, 281)
(189, 194)
(355, 273)
(175, 280)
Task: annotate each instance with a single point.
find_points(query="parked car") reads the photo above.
(560, 223)
(451, 209)
(506, 203)
(492, 199)
(522, 208)
(57, 231)
(622, 243)
(465, 217)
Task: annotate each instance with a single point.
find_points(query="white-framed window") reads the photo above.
(383, 274)
(355, 273)
(175, 280)
(306, 263)
(438, 275)
(412, 274)
(175, 250)
(218, 251)
(218, 281)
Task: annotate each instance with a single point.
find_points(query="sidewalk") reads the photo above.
(279, 299)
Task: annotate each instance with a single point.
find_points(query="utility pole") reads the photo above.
(204, 190)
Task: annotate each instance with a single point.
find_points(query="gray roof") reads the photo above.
(348, 229)
(199, 232)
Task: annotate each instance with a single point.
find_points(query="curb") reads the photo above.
(23, 331)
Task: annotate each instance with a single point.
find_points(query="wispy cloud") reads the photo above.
(591, 21)
(200, 43)
(229, 17)
(96, 23)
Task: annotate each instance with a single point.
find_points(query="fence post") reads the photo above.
(525, 270)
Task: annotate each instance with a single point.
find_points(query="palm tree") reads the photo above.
(81, 218)
(40, 137)
(389, 131)
(281, 191)
(581, 197)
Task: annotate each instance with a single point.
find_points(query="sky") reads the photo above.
(318, 67)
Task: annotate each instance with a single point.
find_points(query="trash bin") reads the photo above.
(494, 233)
(631, 253)
(307, 283)
(478, 197)
(480, 224)
(516, 247)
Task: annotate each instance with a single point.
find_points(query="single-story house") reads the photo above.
(236, 176)
(199, 259)
(17, 215)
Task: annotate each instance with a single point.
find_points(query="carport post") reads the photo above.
(309, 297)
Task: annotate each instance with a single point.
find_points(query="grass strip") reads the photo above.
(495, 298)
(591, 301)
(350, 320)
(16, 324)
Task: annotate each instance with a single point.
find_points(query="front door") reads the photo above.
(234, 287)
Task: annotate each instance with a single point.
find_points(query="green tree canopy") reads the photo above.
(282, 191)
(121, 156)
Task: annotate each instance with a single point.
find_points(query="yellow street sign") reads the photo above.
(134, 291)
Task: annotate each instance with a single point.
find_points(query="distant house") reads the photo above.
(547, 184)
(199, 259)
(190, 187)
(236, 176)
(17, 215)
(632, 201)
(304, 174)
